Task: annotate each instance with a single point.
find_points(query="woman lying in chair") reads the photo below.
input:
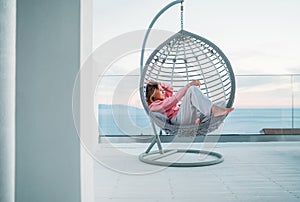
(195, 107)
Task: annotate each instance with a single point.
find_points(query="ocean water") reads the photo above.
(253, 120)
(128, 120)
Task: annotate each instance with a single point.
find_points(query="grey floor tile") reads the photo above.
(250, 172)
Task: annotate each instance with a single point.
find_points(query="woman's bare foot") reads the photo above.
(198, 121)
(220, 111)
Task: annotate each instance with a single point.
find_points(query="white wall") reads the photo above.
(48, 59)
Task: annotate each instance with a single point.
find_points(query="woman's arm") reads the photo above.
(171, 100)
(168, 88)
(179, 95)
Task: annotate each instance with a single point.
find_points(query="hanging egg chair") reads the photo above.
(180, 59)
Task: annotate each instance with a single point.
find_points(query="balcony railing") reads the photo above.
(261, 101)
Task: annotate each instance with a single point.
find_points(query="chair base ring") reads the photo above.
(156, 158)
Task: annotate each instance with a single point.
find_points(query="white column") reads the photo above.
(7, 99)
(86, 124)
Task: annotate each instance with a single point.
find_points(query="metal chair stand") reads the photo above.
(173, 157)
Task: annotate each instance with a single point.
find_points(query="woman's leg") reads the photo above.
(194, 105)
(197, 108)
(220, 111)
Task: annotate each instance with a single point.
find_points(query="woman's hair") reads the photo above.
(151, 88)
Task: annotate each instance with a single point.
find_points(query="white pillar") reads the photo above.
(86, 125)
(7, 99)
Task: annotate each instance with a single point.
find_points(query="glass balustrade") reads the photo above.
(261, 101)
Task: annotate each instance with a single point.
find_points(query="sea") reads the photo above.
(122, 120)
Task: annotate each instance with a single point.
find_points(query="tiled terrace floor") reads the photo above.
(252, 171)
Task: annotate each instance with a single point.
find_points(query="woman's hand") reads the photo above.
(151, 81)
(194, 83)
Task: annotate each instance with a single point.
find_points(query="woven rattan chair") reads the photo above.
(178, 60)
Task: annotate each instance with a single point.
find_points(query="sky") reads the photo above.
(259, 37)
